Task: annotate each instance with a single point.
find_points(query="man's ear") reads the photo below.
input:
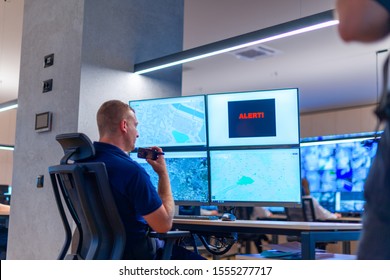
(123, 125)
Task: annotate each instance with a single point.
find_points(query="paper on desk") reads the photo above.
(290, 250)
(291, 247)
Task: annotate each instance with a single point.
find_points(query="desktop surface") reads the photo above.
(237, 224)
(196, 217)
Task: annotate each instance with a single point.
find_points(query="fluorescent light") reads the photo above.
(8, 105)
(302, 25)
(7, 147)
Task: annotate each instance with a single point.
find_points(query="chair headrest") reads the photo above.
(76, 146)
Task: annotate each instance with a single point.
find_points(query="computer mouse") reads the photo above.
(228, 217)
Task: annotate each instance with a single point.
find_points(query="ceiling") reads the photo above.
(329, 73)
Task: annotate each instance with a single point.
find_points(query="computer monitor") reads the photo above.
(256, 118)
(349, 202)
(255, 177)
(188, 173)
(171, 122)
(337, 167)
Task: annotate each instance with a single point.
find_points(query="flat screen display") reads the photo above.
(269, 117)
(341, 202)
(249, 177)
(171, 122)
(336, 170)
(188, 173)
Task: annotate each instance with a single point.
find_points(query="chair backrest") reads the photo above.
(308, 208)
(84, 189)
(294, 214)
(304, 213)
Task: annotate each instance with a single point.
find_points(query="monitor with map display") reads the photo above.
(256, 118)
(255, 177)
(171, 122)
(188, 173)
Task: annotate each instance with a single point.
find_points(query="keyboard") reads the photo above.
(196, 217)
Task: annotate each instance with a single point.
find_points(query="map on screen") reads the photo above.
(188, 173)
(171, 122)
(255, 176)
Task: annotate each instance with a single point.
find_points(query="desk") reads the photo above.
(281, 217)
(274, 217)
(310, 232)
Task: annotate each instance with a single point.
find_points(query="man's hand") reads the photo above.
(158, 165)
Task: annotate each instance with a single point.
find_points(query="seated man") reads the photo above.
(139, 204)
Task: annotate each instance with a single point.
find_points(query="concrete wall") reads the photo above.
(95, 43)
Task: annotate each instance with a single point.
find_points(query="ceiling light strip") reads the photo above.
(8, 105)
(298, 26)
(7, 147)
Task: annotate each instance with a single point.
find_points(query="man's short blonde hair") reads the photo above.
(109, 116)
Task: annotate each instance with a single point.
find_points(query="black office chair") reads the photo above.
(308, 209)
(84, 189)
(303, 214)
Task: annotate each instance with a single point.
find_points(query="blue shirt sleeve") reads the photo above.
(145, 196)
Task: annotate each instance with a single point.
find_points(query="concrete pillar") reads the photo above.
(95, 45)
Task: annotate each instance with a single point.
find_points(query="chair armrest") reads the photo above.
(169, 237)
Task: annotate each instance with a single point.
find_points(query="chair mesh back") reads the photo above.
(309, 209)
(83, 190)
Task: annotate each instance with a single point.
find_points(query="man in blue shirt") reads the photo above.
(139, 204)
(368, 21)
